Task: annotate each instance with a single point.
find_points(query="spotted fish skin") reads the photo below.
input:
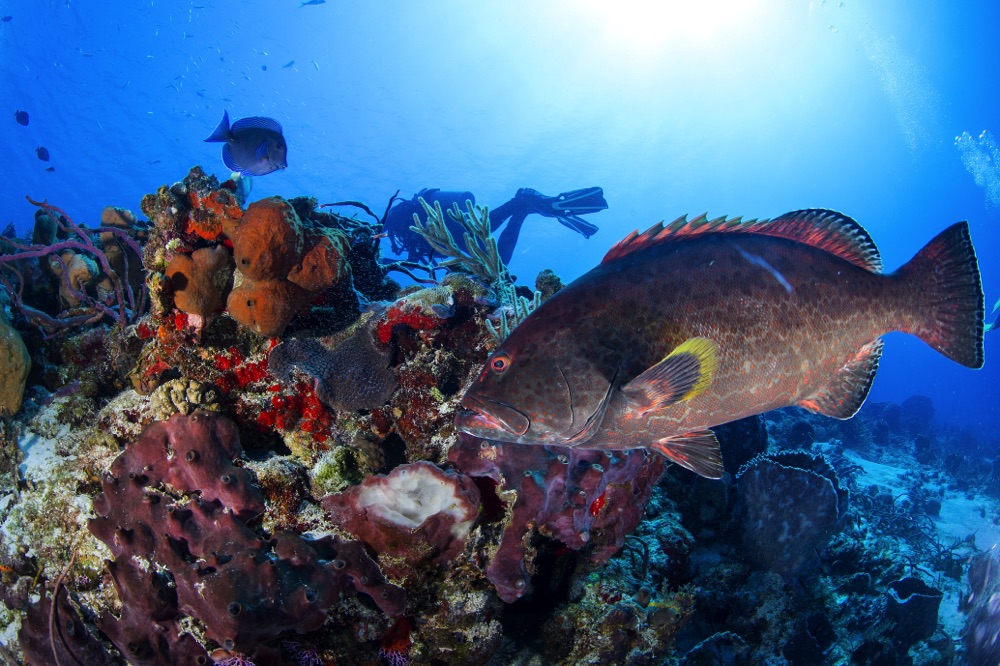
(791, 311)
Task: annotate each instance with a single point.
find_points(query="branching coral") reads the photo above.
(480, 257)
(518, 307)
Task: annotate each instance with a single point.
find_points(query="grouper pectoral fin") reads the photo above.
(684, 373)
(846, 392)
(699, 451)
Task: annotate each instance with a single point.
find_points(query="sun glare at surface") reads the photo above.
(650, 28)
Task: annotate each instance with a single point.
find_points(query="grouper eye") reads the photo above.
(500, 363)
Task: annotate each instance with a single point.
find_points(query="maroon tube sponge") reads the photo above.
(194, 454)
(148, 631)
(72, 642)
(416, 515)
(176, 504)
(582, 498)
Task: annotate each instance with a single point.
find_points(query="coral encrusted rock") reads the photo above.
(15, 363)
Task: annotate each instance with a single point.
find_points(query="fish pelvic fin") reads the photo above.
(698, 451)
(947, 290)
(843, 397)
(681, 375)
(221, 133)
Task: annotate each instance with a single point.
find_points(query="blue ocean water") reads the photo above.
(740, 108)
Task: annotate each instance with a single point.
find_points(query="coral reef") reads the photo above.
(188, 490)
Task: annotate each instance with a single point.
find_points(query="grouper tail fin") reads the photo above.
(948, 295)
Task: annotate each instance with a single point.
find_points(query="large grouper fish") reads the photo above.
(701, 322)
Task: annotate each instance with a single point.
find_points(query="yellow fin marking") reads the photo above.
(707, 353)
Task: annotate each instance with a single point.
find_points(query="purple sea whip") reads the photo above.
(94, 309)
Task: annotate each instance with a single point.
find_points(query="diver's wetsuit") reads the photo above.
(566, 207)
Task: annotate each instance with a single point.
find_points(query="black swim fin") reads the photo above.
(568, 206)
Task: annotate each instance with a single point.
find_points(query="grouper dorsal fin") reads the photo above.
(824, 229)
(843, 396)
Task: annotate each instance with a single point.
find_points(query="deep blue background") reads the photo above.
(737, 107)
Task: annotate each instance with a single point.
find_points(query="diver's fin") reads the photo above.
(566, 207)
(580, 202)
(698, 451)
(577, 224)
(684, 373)
(843, 397)
(221, 133)
(230, 161)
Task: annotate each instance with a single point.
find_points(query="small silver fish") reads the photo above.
(255, 146)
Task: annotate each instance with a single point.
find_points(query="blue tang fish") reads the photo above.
(254, 146)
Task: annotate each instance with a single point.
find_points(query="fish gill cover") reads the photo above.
(234, 379)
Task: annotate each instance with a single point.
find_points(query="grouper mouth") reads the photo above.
(489, 416)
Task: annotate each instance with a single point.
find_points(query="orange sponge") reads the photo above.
(268, 242)
(267, 306)
(201, 280)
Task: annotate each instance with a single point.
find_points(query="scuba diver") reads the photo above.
(566, 207)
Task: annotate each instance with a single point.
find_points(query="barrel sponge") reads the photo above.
(268, 242)
(324, 263)
(201, 280)
(267, 306)
(417, 514)
(789, 504)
